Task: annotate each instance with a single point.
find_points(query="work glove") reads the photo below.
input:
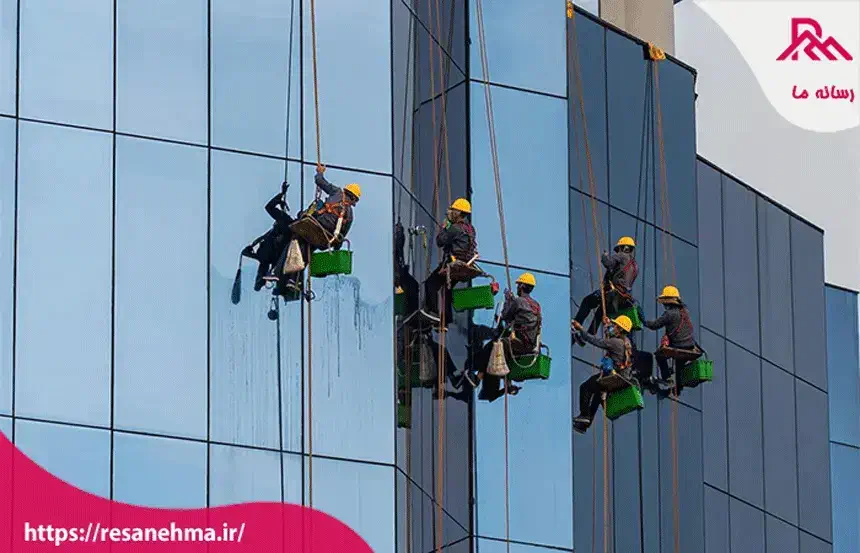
(508, 294)
(284, 188)
(320, 168)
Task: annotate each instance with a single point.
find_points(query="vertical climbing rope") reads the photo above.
(310, 310)
(657, 55)
(491, 127)
(598, 239)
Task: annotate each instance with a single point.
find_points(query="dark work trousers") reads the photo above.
(589, 396)
(435, 283)
(410, 288)
(614, 302)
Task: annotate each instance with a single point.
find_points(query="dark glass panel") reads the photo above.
(710, 242)
(813, 458)
(746, 476)
(807, 276)
(774, 262)
(741, 265)
(780, 443)
(590, 53)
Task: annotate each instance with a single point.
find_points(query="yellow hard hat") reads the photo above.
(669, 293)
(462, 204)
(527, 278)
(354, 189)
(625, 241)
(624, 322)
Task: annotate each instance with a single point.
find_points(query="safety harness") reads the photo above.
(685, 322)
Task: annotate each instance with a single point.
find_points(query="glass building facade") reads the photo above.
(139, 142)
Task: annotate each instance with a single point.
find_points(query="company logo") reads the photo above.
(807, 35)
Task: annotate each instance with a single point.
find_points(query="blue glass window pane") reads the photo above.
(678, 111)
(590, 40)
(846, 498)
(403, 28)
(774, 246)
(436, 69)
(714, 425)
(780, 443)
(781, 537)
(747, 524)
(415, 507)
(741, 265)
(360, 495)
(717, 526)
(64, 221)
(8, 55)
(7, 262)
(710, 242)
(250, 57)
(161, 224)
(6, 427)
(159, 472)
(524, 43)
(813, 458)
(588, 463)
(244, 342)
(626, 483)
(67, 62)
(807, 275)
(631, 158)
(549, 443)
(585, 264)
(690, 491)
(353, 334)
(533, 167)
(447, 21)
(79, 456)
(162, 70)
(811, 544)
(354, 79)
(484, 545)
(293, 471)
(239, 475)
(743, 380)
(843, 366)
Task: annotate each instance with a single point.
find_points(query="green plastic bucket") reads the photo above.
(476, 297)
(334, 262)
(526, 367)
(623, 401)
(696, 372)
(404, 416)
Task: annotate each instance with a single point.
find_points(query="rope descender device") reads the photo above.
(655, 53)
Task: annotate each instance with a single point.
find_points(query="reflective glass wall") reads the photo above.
(843, 373)
(632, 172)
(765, 416)
(139, 143)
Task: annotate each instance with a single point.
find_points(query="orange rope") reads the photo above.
(668, 260)
(597, 239)
(497, 177)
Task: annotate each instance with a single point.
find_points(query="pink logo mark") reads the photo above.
(806, 35)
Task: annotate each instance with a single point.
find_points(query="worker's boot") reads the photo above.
(581, 424)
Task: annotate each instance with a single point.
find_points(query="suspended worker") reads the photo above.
(458, 241)
(679, 332)
(621, 273)
(268, 248)
(334, 215)
(519, 327)
(618, 358)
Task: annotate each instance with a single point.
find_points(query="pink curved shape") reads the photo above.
(31, 497)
